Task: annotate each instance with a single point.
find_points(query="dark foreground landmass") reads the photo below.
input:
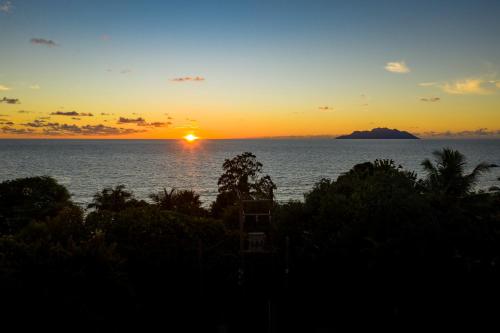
(375, 248)
(379, 133)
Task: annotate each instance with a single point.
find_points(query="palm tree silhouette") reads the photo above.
(447, 175)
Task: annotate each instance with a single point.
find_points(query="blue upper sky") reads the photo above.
(255, 55)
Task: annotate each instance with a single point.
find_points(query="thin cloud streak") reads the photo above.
(188, 79)
(72, 114)
(43, 41)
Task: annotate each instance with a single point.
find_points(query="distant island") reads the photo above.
(379, 133)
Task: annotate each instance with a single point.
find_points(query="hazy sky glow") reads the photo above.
(235, 69)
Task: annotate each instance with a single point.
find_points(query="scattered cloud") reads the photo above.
(142, 122)
(188, 79)
(105, 37)
(6, 7)
(470, 86)
(24, 111)
(35, 87)
(430, 99)
(56, 129)
(4, 88)
(123, 120)
(325, 108)
(6, 122)
(72, 114)
(397, 67)
(43, 41)
(10, 100)
(35, 123)
(12, 130)
(106, 114)
(125, 71)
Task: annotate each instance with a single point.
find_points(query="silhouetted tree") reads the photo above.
(242, 177)
(447, 175)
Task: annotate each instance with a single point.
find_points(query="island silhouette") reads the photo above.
(379, 133)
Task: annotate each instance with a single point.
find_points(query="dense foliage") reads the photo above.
(377, 246)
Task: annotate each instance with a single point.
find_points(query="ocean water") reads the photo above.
(146, 166)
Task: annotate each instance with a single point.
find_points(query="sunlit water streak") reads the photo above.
(146, 166)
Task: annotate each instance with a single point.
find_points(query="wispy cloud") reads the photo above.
(427, 84)
(188, 79)
(72, 114)
(430, 99)
(192, 124)
(478, 133)
(155, 124)
(10, 100)
(43, 41)
(397, 67)
(470, 86)
(4, 88)
(35, 87)
(6, 7)
(325, 108)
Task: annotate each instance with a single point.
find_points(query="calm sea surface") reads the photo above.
(146, 166)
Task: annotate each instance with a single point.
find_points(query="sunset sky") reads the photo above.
(238, 69)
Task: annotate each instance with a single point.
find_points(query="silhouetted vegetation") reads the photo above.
(377, 246)
(181, 201)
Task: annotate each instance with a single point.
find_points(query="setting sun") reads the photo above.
(190, 137)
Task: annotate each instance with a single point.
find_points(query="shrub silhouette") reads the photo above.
(26, 200)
